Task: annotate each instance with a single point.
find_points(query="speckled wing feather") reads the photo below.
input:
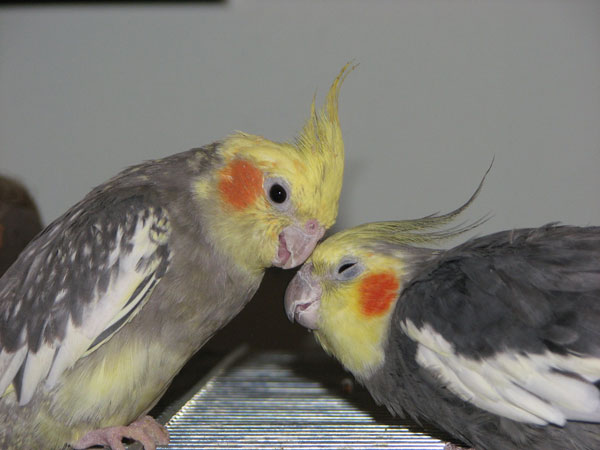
(101, 261)
(509, 323)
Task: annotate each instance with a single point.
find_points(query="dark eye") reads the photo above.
(348, 270)
(277, 193)
(345, 267)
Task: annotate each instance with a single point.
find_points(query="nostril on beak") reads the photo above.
(312, 225)
(314, 228)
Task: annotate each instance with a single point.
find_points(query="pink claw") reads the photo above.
(146, 430)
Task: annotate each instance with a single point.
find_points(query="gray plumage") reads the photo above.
(61, 276)
(529, 292)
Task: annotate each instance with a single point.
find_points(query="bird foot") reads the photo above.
(146, 430)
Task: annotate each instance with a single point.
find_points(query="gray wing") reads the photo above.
(510, 323)
(78, 283)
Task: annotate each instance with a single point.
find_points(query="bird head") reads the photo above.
(274, 201)
(345, 293)
(347, 290)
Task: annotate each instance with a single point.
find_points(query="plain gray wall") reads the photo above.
(442, 88)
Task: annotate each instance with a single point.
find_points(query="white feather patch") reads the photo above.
(113, 304)
(524, 387)
(70, 351)
(37, 366)
(9, 366)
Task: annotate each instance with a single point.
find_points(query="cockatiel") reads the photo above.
(496, 341)
(105, 306)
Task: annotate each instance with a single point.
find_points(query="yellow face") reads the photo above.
(273, 204)
(346, 292)
(306, 186)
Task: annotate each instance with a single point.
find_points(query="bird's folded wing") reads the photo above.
(513, 329)
(75, 286)
(532, 388)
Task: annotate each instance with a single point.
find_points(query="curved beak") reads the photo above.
(296, 243)
(303, 298)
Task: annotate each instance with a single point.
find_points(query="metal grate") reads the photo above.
(284, 401)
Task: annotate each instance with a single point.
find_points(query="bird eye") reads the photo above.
(348, 269)
(345, 267)
(277, 193)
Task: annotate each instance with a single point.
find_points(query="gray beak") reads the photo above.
(303, 298)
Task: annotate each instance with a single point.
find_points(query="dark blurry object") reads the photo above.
(19, 220)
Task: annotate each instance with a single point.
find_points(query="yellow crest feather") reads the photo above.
(321, 143)
(426, 230)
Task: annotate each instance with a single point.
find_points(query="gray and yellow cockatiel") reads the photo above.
(106, 305)
(496, 341)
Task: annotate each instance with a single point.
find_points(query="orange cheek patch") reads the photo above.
(240, 184)
(377, 292)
